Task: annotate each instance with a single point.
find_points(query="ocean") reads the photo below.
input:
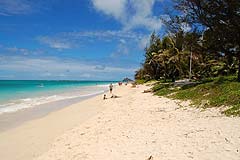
(17, 95)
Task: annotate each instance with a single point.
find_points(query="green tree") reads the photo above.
(220, 19)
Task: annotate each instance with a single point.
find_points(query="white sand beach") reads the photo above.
(135, 126)
(34, 137)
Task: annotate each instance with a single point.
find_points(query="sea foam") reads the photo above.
(25, 103)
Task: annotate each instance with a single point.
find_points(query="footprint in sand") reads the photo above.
(82, 134)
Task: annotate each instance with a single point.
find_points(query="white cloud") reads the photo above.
(100, 67)
(104, 35)
(144, 42)
(68, 40)
(46, 74)
(86, 75)
(55, 68)
(115, 8)
(127, 41)
(7, 76)
(15, 7)
(131, 13)
(57, 43)
(23, 51)
(122, 49)
(122, 41)
(4, 14)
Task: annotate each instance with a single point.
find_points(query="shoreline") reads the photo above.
(43, 97)
(135, 125)
(34, 136)
(14, 119)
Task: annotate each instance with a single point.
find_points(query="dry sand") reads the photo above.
(132, 127)
(34, 137)
(137, 126)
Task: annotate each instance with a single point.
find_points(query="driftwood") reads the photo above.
(147, 91)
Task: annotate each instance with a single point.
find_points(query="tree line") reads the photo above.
(210, 48)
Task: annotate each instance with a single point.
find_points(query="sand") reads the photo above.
(139, 126)
(34, 137)
(134, 126)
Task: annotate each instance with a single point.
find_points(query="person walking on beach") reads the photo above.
(110, 88)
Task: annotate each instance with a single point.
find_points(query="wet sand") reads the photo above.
(15, 119)
(32, 136)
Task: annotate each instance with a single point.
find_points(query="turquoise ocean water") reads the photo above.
(21, 94)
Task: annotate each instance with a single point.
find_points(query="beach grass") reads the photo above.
(212, 92)
(140, 81)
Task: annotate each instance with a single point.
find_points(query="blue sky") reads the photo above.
(76, 39)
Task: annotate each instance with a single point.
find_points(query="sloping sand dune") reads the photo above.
(137, 126)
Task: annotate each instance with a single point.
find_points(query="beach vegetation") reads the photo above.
(140, 81)
(202, 41)
(212, 92)
(199, 58)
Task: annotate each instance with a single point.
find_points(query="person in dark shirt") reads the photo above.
(110, 88)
